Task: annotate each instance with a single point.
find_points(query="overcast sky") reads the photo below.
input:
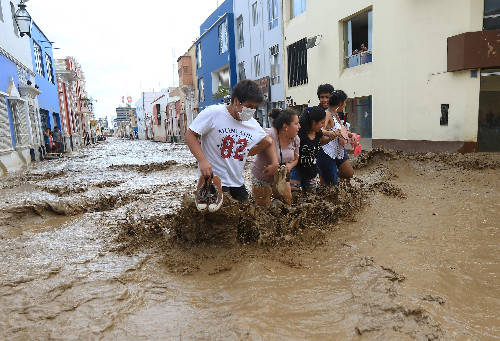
(123, 46)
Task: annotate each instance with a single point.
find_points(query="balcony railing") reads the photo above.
(358, 59)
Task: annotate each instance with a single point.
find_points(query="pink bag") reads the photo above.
(356, 144)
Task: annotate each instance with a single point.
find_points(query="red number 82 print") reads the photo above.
(228, 144)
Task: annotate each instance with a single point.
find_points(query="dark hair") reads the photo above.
(337, 98)
(325, 88)
(247, 90)
(282, 116)
(315, 114)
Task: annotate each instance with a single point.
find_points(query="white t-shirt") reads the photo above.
(225, 142)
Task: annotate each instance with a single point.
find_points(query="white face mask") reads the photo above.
(246, 113)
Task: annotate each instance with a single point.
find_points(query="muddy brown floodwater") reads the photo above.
(105, 244)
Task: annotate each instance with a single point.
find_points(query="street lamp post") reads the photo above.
(23, 20)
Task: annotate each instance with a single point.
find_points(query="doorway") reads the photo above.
(488, 136)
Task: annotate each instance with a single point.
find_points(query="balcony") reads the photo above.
(358, 59)
(474, 50)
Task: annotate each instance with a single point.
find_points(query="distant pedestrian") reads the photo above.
(48, 140)
(57, 138)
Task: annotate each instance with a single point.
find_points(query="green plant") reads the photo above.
(222, 92)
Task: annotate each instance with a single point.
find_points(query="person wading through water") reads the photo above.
(228, 135)
(312, 137)
(284, 134)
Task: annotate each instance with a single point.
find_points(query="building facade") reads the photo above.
(144, 110)
(215, 56)
(393, 60)
(45, 77)
(75, 107)
(259, 51)
(18, 94)
(188, 86)
(159, 121)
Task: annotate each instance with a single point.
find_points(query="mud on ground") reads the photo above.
(109, 245)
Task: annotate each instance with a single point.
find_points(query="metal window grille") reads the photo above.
(201, 86)
(38, 59)
(256, 65)
(223, 37)
(297, 63)
(241, 71)
(5, 138)
(275, 67)
(255, 14)
(239, 27)
(48, 61)
(20, 124)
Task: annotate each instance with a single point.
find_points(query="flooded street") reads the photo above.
(103, 244)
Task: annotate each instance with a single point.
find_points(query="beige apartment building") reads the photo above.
(421, 75)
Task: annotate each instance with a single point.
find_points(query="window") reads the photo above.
(198, 55)
(297, 63)
(298, 7)
(274, 53)
(241, 71)
(255, 14)
(38, 59)
(273, 13)
(256, 65)
(358, 40)
(48, 61)
(201, 86)
(223, 37)
(491, 15)
(220, 78)
(13, 11)
(239, 30)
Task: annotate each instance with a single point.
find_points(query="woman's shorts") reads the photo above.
(305, 183)
(344, 159)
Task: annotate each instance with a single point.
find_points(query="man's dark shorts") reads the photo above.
(238, 193)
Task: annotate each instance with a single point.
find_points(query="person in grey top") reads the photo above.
(57, 137)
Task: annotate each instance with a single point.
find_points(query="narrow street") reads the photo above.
(104, 244)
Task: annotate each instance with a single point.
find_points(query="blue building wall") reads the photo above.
(8, 69)
(211, 59)
(49, 98)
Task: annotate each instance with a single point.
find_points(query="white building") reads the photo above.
(428, 80)
(144, 110)
(159, 116)
(259, 51)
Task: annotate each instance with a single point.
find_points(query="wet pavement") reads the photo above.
(105, 244)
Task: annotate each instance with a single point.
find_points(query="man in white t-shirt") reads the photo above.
(229, 134)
